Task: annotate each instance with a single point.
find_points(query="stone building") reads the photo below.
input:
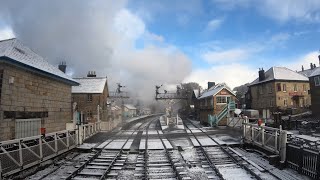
(129, 110)
(33, 93)
(91, 92)
(314, 80)
(279, 88)
(214, 100)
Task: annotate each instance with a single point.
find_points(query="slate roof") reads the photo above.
(130, 106)
(316, 72)
(280, 73)
(308, 72)
(90, 85)
(14, 52)
(215, 90)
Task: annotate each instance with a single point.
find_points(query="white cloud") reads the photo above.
(304, 60)
(282, 11)
(230, 55)
(234, 74)
(129, 24)
(214, 24)
(6, 33)
(281, 37)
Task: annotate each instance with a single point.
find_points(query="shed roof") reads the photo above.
(90, 85)
(280, 73)
(14, 52)
(130, 106)
(215, 90)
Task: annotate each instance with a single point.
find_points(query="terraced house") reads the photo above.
(279, 88)
(33, 93)
(315, 91)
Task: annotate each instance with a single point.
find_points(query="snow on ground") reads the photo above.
(197, 173)
(142, 144)
(226, 139)
(183, 142)
(189, 154)
(102, 145)
(128, 144)
(194, 141)
(116, 144)
(87, 146)
(233, 172)
(206, 141)
(167, 144)
(155, 144)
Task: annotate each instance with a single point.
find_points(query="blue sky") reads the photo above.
(224, 40)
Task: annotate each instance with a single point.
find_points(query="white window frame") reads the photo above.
(226, 99)
(285, 102)
(284, 87)
(304, 88)
(317, 81)
(295, 87)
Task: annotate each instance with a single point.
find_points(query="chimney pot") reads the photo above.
(302, 68)
(91, 74)
(62, 66)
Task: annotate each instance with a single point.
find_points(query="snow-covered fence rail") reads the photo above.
(20, 154)
(90, 129)
(271, 139)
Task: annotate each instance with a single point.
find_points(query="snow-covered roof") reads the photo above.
(308, 72)
(115, 108)
(280, 73)
(14, 52)
(130, 106)
(316, 72)
(215, 90)
(91, 85)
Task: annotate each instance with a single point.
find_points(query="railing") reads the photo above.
(20, 154)
(271, 139)
(90, 129)
(305, 161)
(215, 119)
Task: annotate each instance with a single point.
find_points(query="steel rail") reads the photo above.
(224, 150)
(72, 175)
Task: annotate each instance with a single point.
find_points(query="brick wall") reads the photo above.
(31, 92)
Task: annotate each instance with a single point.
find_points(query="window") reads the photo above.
(295, 88)
(317, 81)
(271, 103)
(304, 88)
(221, 99)
(260, 90)
(89, 97)
(278, 86)
(284, 87)
(285, 102)
(89, 114)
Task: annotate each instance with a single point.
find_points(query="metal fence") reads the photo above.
(305, 161)
(271, 139)
(19, 154)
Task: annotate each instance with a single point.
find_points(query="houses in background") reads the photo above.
(33, 93)
(129, 110)
(279, 88)
(91, 92)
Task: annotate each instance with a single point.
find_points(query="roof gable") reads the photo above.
(14, 52)
(90, 85)
(129, 106)
(214, 90)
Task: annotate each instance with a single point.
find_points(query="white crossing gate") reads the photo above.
(27, 127)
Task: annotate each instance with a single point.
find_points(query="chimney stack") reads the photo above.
(63, 66)
(91, 74)
(262, 75)
(302, 68)
(314, 66)
(319, 59)
(311, 66)
(211, 84)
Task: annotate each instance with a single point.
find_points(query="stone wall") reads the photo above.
(32, 95)
(88, 107)
(271, 98)
(315, 97)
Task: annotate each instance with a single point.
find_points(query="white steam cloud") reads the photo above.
(98, 35)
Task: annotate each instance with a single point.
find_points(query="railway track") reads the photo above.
(105, 162)
(224, 160)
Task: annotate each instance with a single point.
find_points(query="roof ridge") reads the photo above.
(8, 39)
(89, 78)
